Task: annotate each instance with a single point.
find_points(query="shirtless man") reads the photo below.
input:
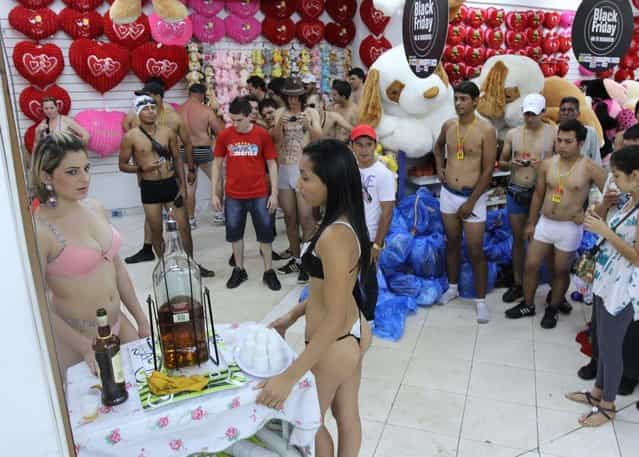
(525, 147)
(201, 122)
(556, 217)
(329, 120)
(256, 87)
(342, 104)
(356, 78)
(471, 145)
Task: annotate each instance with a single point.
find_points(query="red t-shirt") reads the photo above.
(246, 155)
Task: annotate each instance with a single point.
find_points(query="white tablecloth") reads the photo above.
(209, 423)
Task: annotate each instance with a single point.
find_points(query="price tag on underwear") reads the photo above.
(556, 195)
(460, 153)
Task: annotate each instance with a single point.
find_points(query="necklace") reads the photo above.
(462, 139)
(559, 190)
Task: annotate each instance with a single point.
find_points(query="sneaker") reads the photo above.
(448, 296)
(237, 277)
(271, 281)
(293, 266)
(513, 293)
(143, 255)
(520, 310)
(627, 386)
(588, 372)
(192, 223)
(564, 307)
(483, 312)
(550, 317)
(284, 255)
(205, 272)
(218, 219)
(232, 260)
(302, 277)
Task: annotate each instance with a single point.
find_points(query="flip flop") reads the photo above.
(586, 398)
(605, 412)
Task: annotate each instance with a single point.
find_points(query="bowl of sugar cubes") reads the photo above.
(262, 352)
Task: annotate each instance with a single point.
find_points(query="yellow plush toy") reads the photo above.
(127, 11)
(276, 72)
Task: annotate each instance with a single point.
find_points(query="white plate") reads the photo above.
(249, 369)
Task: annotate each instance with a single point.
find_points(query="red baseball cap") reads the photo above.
(363, 130)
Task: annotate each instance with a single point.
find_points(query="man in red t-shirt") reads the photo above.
(246, 147)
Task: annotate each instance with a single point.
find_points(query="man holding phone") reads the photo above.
(524, 149)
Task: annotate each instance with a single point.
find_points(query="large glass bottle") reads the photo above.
(108, 357)
(178, 293)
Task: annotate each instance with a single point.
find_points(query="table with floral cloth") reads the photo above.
(209, 423)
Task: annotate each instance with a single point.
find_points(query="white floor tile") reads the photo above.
(461, 316)
(628, 438)
(436, 340)
(439, 371)
(376, 398)
(514, 353)
(559, 358)
(551, 390)
(556, 424)
(371, 434)
(468, 448)
(409, 442)
(385, 364)
(584, 442)
(629, 414)
(502, 383)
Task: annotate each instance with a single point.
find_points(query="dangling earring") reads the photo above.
(51, 201)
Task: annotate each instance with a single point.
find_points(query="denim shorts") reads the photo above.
(515, 208)
(236, 211)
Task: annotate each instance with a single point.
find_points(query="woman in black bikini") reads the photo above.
(337, 336)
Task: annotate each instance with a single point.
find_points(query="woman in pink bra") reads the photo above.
(78, 250)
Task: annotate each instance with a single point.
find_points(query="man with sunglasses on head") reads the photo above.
(378, 191)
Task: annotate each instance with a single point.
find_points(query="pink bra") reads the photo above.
(74, 260)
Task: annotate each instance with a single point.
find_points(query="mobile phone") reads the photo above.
(525, 163)
(292, 119)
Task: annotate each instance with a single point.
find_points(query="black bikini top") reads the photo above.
(160, 149)
(312, 264)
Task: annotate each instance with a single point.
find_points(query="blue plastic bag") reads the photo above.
(430, 292)
(466, 284)
(404, 284)
(382, 285)
(398, 248)
(498, 246)
(588, 241)
(421, 212)
(398, 224)
(303, 295)
(428, 257)
(498, 219)
(390, 315)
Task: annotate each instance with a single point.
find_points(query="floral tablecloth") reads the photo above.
(209, 423)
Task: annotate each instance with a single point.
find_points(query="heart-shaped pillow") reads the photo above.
(243, 8)
(310, 32)
(29, 138)
(278, 9)
(105, 130)
(371, 48)
(341, 11)
(35, 4)
(242, 30)
(206, 7)
(83, 5)
(340, 34)
(171, 33)
(40, 64)
(208, 29)
(374, 19)
(128, 35)
(169, 63)
(102, 65)
(310, 9)
(37, 24)
(30, 101)
(77, 24)
(278, 31)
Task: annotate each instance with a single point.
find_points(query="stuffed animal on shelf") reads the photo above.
(127, 11)
(258, 61)
(276, 71)
(305, 62)
(390, 7)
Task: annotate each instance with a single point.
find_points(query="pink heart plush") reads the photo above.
(171, 33)
(208, 29)
(566, 19)
(207, 7)
(105, 130)
(242, 30)
(243, 8)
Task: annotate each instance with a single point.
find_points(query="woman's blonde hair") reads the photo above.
(47, 156)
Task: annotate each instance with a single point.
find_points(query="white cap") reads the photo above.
(309, 78)
(534, 103)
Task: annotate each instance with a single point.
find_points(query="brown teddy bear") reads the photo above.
(127, 11)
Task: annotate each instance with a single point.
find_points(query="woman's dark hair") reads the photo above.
(335, 165)
(266, 102)
(468, 88)
(573, 125)
(276, 85)
(257, 82)
(240, 105)
(626, 159)
(302, 98)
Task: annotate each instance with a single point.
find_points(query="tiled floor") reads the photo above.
(449, 387)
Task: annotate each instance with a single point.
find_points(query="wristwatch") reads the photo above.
(377, 247)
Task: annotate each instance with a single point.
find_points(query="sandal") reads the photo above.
(585, 398)
(597, 411)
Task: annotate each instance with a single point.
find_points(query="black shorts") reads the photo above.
(160, 191)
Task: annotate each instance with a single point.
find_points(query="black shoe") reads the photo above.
(520, 310)
(550, 317)
(627, 386)
(513, 293)
(237, 277)
(232, 260)
(564, 307)
(271, 281)
(143, 255)
(588, 372)
(302, 277)
(291, 267)
(284, 255)
(206, 273)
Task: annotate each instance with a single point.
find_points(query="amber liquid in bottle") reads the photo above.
(108, 357)
(182, 332)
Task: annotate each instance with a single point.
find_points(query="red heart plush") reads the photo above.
(629, 61)
(494, 38)
(548, 67)
(128, 35)
(77, 24)
(565, 43)
(310, 32)
(456, 71)
(455, 54)
(102, 65)
(535, 18)
(473, 72)
(562, 67)
(494, 52)
(278, 31)
(341, 34)
(475, 17)
(170, 63)
(551, 20)
(516, 20)
(456, 34)
(535, 53)
(310, 9)
(278, 9)
(374, 19)
(534, 36)
(474, 37)
(475, 56)
(83, 5)
(341, 11)
(515, 40)
(29, 138)
(495, 17)
(605, 74)
(37, 24)
(622, 74)
(35, 4)
(30, 101)
(550, 44)
(40, 64)
(371, 48)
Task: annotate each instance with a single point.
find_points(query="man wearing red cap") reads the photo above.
(378, 191)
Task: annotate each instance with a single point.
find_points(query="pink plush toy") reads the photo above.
(242, 30)
(566, 19)
(243, 8)
(207, 8)
(105, 130)
(171, 33)
(208, 29)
